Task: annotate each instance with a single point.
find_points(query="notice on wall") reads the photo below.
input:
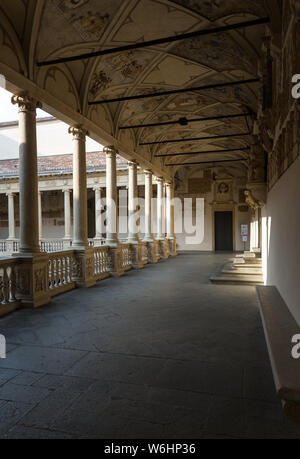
(244, 233)
(244, 230)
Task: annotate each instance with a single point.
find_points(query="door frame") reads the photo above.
(224, 207)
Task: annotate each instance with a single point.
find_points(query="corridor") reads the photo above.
(158, 353)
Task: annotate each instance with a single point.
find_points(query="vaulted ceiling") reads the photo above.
(40, 30)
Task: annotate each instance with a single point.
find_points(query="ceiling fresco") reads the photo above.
(56, 28)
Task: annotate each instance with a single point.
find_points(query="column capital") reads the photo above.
(25, 103)
(97, 188)
(78, 132)
(10, 194)
(148, 172)
(66, 190)
(110, 151)
(160, 179)
(132, 163)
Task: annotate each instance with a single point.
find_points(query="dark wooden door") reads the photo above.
(223, 231)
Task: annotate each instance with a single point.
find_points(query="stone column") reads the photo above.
(160, 208)
(84, 269)
(170, 218)
(33, 277)
(29, 226)
(40, 216)
(133, 233)
(67, 211)
(111, 197)
(11, 223)
(170, 211)
(11, 217)
(148, 207)
(132, 202)
(152, 244)
(98, 216)
(162, 242)
(80, 225)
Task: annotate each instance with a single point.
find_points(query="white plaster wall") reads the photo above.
(52, 139)
(281, 238)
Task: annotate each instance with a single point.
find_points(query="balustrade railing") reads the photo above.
(102, 260)
(54, 245)
(124, 258)
(8, 301)
(3, 247)
(144, 252)
(61, 272)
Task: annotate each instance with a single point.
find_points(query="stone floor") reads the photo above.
(159, 353)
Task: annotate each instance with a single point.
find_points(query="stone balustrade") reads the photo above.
(61, 272)
(8, 281)
(54, 245)
(102, 262)
(124, 258)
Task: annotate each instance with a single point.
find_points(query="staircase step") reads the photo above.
(243, 272)
(236, 279)
(255, 261)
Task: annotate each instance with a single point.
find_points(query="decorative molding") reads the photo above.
(78, 132)
(25, 103)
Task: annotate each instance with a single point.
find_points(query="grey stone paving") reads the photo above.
(159, 353)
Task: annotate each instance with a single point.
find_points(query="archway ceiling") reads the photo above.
(65, 28)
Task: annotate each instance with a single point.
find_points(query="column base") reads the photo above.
(115, 257)
(67, 242)
(152, 251)
(98, 241)
(32, 279)
(84, 267)
(137, 258)
(11, 245)
(172, 245)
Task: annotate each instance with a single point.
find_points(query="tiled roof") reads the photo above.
(58, 164)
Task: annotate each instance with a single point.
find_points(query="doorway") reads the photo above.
(224, 231)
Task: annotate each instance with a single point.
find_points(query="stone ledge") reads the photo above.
(280, 326)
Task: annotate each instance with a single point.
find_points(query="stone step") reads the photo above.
(236, 279)
(247, 266)
(247, 271)
(249, 262)
(255, 261)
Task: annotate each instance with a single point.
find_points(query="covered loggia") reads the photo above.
(194, 104)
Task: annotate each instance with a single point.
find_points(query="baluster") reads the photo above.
(55, 272)
(5, 286)
(12, 285)
(50, 274)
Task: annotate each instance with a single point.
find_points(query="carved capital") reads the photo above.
(78, 132)
(132, 163)
(252, 202)
(98, 188)
(25, 103)
(148, 173)
(110, 151)
(10, 194)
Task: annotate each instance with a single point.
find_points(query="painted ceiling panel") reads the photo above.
(214, 9)
(152, 19)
